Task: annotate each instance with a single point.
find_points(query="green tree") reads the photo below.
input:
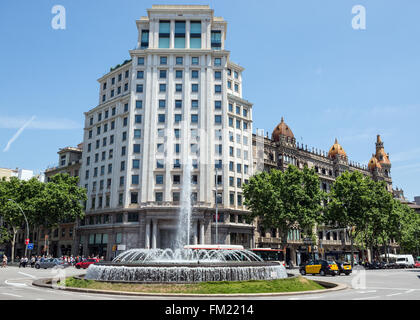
(285, 199)
(46, 204)
(349, 204)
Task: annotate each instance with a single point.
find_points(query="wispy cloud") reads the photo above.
(18, 133)
(7, 122)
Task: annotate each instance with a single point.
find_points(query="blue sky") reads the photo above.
(303, 61)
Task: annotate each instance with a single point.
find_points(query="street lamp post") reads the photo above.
(27, 224)
(217, 212)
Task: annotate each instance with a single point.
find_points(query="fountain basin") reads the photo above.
(185, 272)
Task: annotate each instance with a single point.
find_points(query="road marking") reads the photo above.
(27, 274)
(11, 294)
(394, 294)
(15, 284)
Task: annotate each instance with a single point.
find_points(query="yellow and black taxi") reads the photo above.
(321, 267)
(344, 267)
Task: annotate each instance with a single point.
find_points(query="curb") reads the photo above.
(331, 287)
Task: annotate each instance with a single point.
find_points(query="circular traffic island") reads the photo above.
(250, 287)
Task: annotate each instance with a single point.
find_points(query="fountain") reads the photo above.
(185, 263)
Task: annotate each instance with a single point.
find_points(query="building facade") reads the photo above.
(282, 150)
(178, 99)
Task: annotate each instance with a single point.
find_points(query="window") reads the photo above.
(231, 166)
(238, 168)
(134, 179)
(163, 60)
(238, 110)
(177, 133)
(159, 196)
(229, 84)
(218, 119)
(236, 87)
(177, 148)
(112, 125)
(194, 74)
(164, 33)
(126, 74)
(103, 97)
(179, 37)
(178, 118)
(122, 167)
(124, 136)
(178, 87)
(112, 93)
(216, 40)
(176, 196)
(140, 61)
(121, 181)
(137, 118)
(144, 44)
(136, 148)
(217, 75)
(110, 168)
(236, 74)
(160, 164)
(178, 74)
(139, 88)
(194, 118)
(162, 74)
(194, 104)
(245, 113)
(217, 62)
(230, 107)
(123, 151)
(161, 118)
(195, 35)
(238, 124)
(177, 179)
(231, 182)
(139, 104)
(140, 74)
(179, 60)
(177, 164)
(137, 133)
(119, 218)
(133, 216)
(231, 122)
(218, 104)
(162, 87)
(136, 164)
(194, 87)
(159, 179)
(162, 104)
(195, 61)
(178, 104)
(125, 86)
(120, 199)
(161, 133)
(217, 88)
(231, 150)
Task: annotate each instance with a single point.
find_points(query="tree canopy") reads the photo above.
(284, 199)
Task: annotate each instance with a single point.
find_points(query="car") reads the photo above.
(405, 260)
(344, 267)
(321, 267)
(417, 264)
(86, 263)
(50, 263)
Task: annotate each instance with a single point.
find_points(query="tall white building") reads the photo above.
(179, 96)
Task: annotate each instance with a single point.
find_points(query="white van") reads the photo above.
(405, 261)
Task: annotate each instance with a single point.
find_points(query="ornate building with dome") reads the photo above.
(281, 150)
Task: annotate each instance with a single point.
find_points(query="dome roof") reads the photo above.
(282, 130)
(336, 149)
(374, 163)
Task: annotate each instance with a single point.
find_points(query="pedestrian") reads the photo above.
(4, 261)
(33, 262)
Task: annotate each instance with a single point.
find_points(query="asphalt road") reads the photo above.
(16, 284)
